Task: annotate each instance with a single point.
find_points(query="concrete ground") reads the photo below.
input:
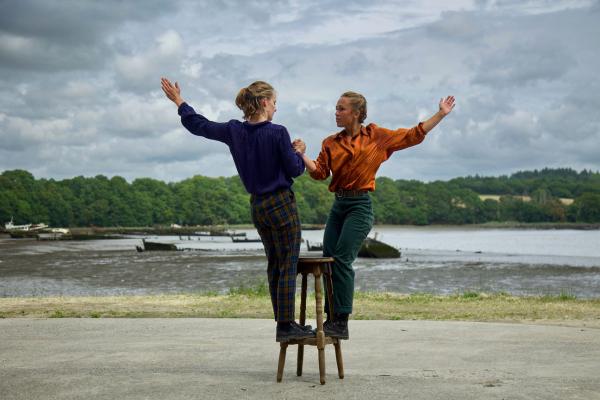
(237, 359)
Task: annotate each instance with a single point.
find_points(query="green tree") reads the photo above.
(586, 208)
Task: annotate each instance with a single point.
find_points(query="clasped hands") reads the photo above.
(299, 146)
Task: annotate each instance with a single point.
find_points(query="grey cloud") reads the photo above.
(64, 94)
(57, 35)
(355, 63)
(505, 137)
(460, 26)
(532, 6)
(510, 51)
(573, 116)
(309, 122)
(523, 62)
(74, 22)
(130, 158)
(224, 75)
(37, 54)
(140, 71)
(394, 111)
(523, 84)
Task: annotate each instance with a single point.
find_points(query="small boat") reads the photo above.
(63, 231)
(245, 240)
(370, 248)
(55, 234)
(373, 248)
(219, 233)
(157, 246)
(20, 234)
(314, 247)
(26, 230)
(236, 234)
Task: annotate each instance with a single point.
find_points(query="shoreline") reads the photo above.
(83, 233)
(469, 306)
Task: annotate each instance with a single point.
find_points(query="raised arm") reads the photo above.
(195, 123)
(446, 105)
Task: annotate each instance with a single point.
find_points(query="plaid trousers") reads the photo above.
(275, 216)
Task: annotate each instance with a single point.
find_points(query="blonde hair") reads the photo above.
(248, 98)
(358, 103)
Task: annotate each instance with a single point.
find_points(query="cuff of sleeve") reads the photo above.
(300, 164)
(184, 109)
(420, 129)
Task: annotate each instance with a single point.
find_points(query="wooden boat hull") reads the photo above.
(244, 240)
(372, 248)
(156, 246)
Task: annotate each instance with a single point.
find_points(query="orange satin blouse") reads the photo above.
(354, 162)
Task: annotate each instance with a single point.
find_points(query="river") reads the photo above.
(439, 260)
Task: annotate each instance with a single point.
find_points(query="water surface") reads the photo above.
(434, 260)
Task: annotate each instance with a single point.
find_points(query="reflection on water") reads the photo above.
(434, 260)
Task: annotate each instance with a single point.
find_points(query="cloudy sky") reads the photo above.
(80, 81)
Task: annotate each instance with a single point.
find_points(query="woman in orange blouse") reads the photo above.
(353, 156)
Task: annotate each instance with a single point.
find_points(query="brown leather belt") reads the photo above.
(350, 193)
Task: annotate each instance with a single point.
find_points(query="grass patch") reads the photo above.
(257, 290)
(473, 306)
(470, 295)
(562, 296)
(254, 302)
(57, 314)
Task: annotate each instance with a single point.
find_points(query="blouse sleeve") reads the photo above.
(200, 126)
(292, 162)
(323, 164)
(402, 138)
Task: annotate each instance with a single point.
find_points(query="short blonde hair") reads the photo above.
(358, 102)
(248, 98)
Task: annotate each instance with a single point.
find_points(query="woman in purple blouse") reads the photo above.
(267, 163)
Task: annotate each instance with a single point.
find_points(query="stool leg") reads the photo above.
(322, 366)
(320, 333)
(282, 351)
(329, 291)
(300, 360)
(302, 322)
(338, 358)
(303, 300)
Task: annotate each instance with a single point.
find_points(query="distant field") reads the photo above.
(563, 200)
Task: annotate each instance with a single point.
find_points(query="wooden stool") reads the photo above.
(318, 267)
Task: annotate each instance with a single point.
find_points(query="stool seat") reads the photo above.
(316, 266)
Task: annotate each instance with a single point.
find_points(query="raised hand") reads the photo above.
(447, 104)
(173, 92)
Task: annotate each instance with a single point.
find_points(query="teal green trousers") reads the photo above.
(348, 224)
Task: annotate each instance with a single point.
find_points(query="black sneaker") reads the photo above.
(293, 332)
(336, 329)
(307, 328)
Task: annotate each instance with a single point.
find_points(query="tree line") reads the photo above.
(527, 196)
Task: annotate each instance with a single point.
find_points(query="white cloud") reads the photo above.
(141, 70)
(80, 94)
